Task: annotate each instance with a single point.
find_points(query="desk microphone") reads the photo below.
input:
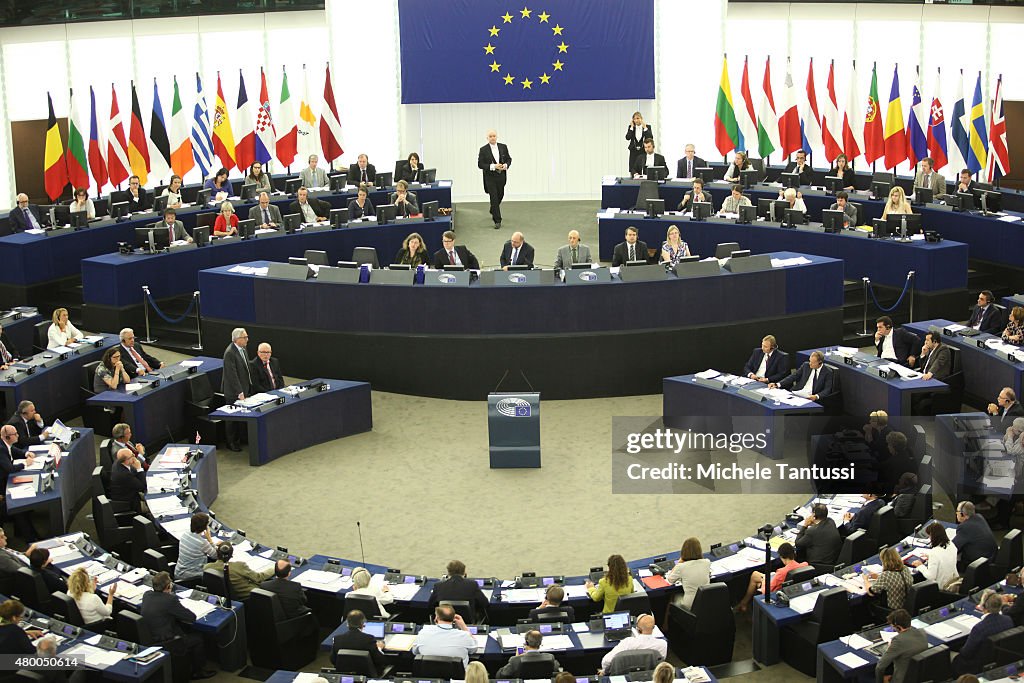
(362, 553)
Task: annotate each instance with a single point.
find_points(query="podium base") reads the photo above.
(514, 457)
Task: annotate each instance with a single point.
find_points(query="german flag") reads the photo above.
(55, 170)
(138, 148)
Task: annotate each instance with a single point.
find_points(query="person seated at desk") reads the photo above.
(95, 612)
(266, 215)
(531, 652)
(257, 177)
(292, 598)
(127, 480)
(1005, 409)
(552, 604)
(227, 222)
(572, 252)
(908, 642)
(41, 563)
(966, 183)
(516, 252)
(687, 166)
(1013, 439)
(842, 169)
(26, 216)
(974, 537)
(8, 354)
(875, 432)
(361, 586)
(61, 331)
(405, 202)
(218, 185)
(795, 199)
(362, 171)
(787, 553)
(673, 249)
(110, 373)
(413, 251)
(894, 579)
(9, 565)
(312, 209)
(412, 170)
(935, 361)
(903, 495)
(740, 163)
(29, 424)
(691, 571)
(698, 194)
(136, 360)
(631, 249)
(862, 518)
(13, 639)
(643, 640)
(897, 203)
(973, 655)
(448, 636)
(818, 539)
(735, 200)
(764, 364)
(14, 459)
(458, 588)
(356, 639)
(121, 436)
(361, 206)
(175, 228)
(1013, 606)
(899, 345)
(801, 168)
(138, 198)
(195, 549)
(843, 204)
(164, 615)
(941, 564)
(897, 460)
(454, 254)
(647, 159)
(985, 316)
(173, 192)
(241, 577)
(813, 380)
(616, 582)
(266, 370)
(929, 178)
(311, 176)
(1014, 332)
(81, 202)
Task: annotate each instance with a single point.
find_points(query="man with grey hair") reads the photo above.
(236, 381)
(572, 253)
(25, 216)
(688, 165)
(813, 380)
(311, 176)
(121, 433)
(493, 160)
(516, 252)
(134, 358)
(974, 654)
(973, 538)
(266, 215)
(265, 370)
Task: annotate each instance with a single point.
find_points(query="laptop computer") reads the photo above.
(617, 626)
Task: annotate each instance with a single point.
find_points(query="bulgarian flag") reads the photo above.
(78, 165)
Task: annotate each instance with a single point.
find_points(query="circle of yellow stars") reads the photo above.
(526, 14)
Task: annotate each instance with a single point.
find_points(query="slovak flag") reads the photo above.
(937, 131)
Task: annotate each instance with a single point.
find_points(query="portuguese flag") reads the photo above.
(874, 139)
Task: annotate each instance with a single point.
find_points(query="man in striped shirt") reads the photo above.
(195, 549)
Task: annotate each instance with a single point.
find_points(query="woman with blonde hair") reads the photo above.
(897, 203)
(82, 588)
(673, 249)
(476, 673)
(894, 579)
(664, 673)
(227, 221)
(61, 332)
(636, 133)
(361, 586)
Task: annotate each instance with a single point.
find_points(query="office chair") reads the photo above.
(200, 401)
(635, 603)
(66, 609)
(113, 532)
(930, 665)
(725, 249)
(705, 633)
(976, 575)
(437, 666)
(802, 574)
(145, 537)
(463, 608)
(31, 589)
(99, 418)
(274, 641)
(42, 338)
(1007, 646)
(920, 512)
(354, 662)
(316, 257)
(367, 604)
(631, 661)
(883, 528)
(923, 597)
(1010, 554)
(830, 619)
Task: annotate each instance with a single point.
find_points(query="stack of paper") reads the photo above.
(199, 608)
(856, 641)
(165, 505)
(399, 642)
(803, 604)
(579, 591)
(324, 581)
(556, 642)
(524, 595)
(852, 661)
(696, 674)
(95, 657)
(22, 491)
(708, 374)
(942, 631)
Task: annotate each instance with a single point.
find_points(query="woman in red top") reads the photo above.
(787, 553)
(227, 221)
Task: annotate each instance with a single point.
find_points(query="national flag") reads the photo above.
(831, 124)
(853, 138)
(97, 165)
(767, 123)
(287, 143)
(55, 169)
(998, 151)
(958, 153)
(874, 135)
(937, 130)
(789, 119)
(202, 146)
(138, 147)
(746, 119)
(182, 155)
(266, 136)
(307, 138)
(810, 120)
(330, 124)
(726, 131)
(917, 141)
(78, 166)
(895, 135)
(977, 156)
(117, 147)
(160, 146)
(223, 138)
(198, 438)
(245, 148)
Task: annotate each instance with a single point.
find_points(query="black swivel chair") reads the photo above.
(367, 604)
(1010, 554)
(157, 562)
(66, 609)
(214, 581)
(976, 575)
(99, 418)
(437, 666)
(553, 617)
(463, 608)
(930, 665)
(705, 633)
(1007, 646)
(536, 665)
(631, 661)
(42, 338)
(274, 641)
(923, 597)
(802, 574)
(131, 627)
(883, 528)
(920, 513)
(856, 547)
(354, 662)
(830, 619)
(951, 401)
(635, 603)
(145, 537)
(114, 532)
(31, 589)
(201, 400)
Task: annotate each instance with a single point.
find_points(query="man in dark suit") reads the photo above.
(174, 228)
(8, 353)
(1013, 606)
(25, 216)
(553, 605)
(362, 171)
(136, 196)
(355, 639)
(127, 480)
(648, 158)
(457, 587)
(688, 165)
(292, 598)
(1005, 409)
(516, 252)
(236, 381)
(766, 364)
(966, 184)
(265, 370)
(164, 615)
(818, 540)
(936, 360)
(493, 161)
(30, 425)
(800, 167)
(266, 215)
(454, 254)
(852, 521)
(986, 317)
(531, 653)
(630, 250)
(899, 345)
(973, 538)
(14, 459)
(908, 642)
(134, 358)
(698, 194)
(972, 657)
(813, 380)
(311, 209)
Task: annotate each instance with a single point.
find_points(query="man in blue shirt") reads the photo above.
(448, 636)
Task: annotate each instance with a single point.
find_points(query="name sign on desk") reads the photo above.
(587, 276)
(516, 278)
(446, 278)
(344, 275)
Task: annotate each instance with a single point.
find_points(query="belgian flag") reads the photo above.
(55, 170)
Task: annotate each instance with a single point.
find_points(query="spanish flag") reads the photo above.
(55, 170)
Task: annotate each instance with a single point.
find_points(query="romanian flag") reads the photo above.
(55, 171)
(977, 147)
(138, 146)
(726, 131)
(223, 138)
(895, 135)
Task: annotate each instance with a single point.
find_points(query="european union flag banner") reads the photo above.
(500, 51)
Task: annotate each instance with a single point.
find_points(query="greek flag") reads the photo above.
(202, 147)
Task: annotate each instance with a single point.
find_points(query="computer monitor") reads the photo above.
(880, 229)
(833, 183)
(790, 179)
(637, 262)
(159, 204)
(203, 197)
(365, 255)
(429, 175)
(201, 235)
(454, 266)
(580, 266)
(616, 621)
(705, 173)
(656, 172)
(701, 211)
(292, 221)
(316, 257)
(79, 219)
(60, 215)
(989, 201)
(749, 177)
(740, 253)
(386, 213)
(773, 210)
(152, 238)
(793, 217)
(297, 261)
(292, 185)
(337, 182)
(897, 221)
(519, 266)
(833, 220)
(880, 189)
(119, 210)
(964, 201)
(383, 180)
(248, 192)
(747, 214)
(884, 177)
(922, 195)
(655, 207)
(399, 266)
(429, 210)
(246, 228)
(338, 217)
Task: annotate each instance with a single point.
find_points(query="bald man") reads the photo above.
(573, 252)
(644, 640)
(128, 480)
(494, 160)
(25, 216)
(516, 252)
(266, 370)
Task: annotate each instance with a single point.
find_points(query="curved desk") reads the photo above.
(70, 489)
(622, 337)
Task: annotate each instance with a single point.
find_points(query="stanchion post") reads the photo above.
(145, 308)
(198, 346)
(865, 282)
(910, 280)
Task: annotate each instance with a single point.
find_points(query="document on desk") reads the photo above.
(96, 657)
(481, 641)
(510, 641)
(166, 505)
(200, 608)
(255, 563)
(943, 630)
(190, 363)
(856, 641)
(785, 262)
(708, 374)
(404, 592)
(803, 604)
(579, 591)
(852, 661)
(968, 621)
(523, 595)
(131, 592)
(696, 674)
(399, 642)
(22, 491)
(324, 581)
(902, 371)
(557, 642)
